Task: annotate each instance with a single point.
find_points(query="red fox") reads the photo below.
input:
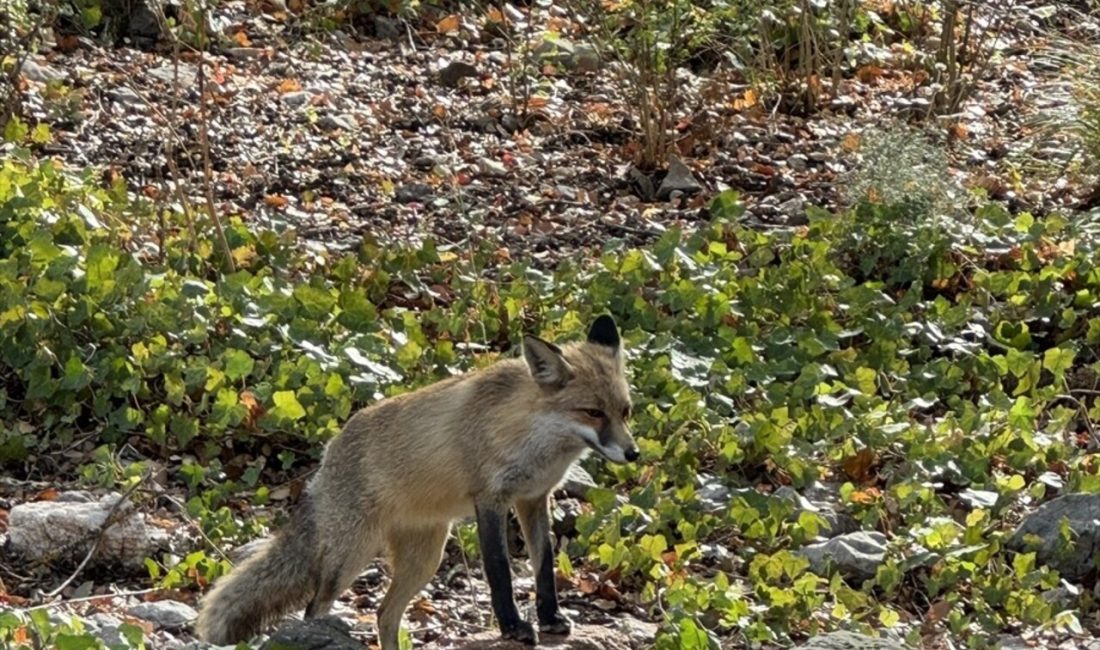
(404, 469)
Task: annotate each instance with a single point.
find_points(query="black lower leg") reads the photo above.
(494, 552)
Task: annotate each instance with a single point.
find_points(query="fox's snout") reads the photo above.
(625, 441)
(617, 446)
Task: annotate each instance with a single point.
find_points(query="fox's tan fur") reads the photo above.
(405, 468)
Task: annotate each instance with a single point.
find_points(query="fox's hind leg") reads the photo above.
(338, 567)
(415, 554)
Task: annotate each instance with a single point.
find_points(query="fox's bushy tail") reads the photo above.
(276, 579)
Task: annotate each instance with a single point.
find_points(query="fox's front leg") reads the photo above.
(534, 518)
(491, 532)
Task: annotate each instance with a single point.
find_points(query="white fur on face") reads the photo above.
(557, 425)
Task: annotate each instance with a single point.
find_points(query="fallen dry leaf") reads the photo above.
(289, 86)
(859, 466)
(448, 24)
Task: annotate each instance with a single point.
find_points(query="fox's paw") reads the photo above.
(559, 624)
(521, 631)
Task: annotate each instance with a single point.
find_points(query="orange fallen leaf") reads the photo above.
(869, 73)
(850, 142)
(275, 201)
(242, 39)
(448, 24)
(49, 494)
(858, 467)
(254, 409)
(866, 497)
(938, 611)
(289, 86)
(748, 99)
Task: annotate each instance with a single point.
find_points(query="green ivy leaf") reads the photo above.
(238, 364)
(75, 642)
(316, 303)
(1058, 361)
(287, 406)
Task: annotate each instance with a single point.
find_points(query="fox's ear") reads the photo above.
(546, 362)
(604, 332)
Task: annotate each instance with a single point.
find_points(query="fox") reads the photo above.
(404, 469)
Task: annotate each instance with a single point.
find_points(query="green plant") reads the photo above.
(35, 629)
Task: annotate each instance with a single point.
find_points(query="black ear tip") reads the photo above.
(604, 332)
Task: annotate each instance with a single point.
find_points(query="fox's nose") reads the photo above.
(631, 454)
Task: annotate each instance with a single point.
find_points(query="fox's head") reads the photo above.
(585, 389)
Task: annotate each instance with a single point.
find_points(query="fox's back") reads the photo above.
(428, 452)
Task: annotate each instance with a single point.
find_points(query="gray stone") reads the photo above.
(245, 53)
(413, 193)
(640, 633)
(176, 644)
(1082, 514)
(835, 522)
(643, 184)
(328, 632)
(297, 98)
(798, 162)
(794, 210)
(583, 637)
(678, 179)
(41, 72)
(844, 640)
(387, 28)
(169, 73)
(454, 72)
(48, 531)
(125, 95)
(490, 167)
(563, 515)
(144, 25)
(1009, 642)
(337, 122)
(571, 56)
(106, 628)
(577, 482)
(76, 496)
(714, 496)
(720, 556)
(164, 613)
(856, 555)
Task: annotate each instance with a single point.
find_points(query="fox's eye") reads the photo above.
(594, 413)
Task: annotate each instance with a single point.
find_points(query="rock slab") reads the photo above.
(844, 640)
(328, 633)
(1041, 531)
(64, 529)
(164, 614)
(856, 555)
(584, 637)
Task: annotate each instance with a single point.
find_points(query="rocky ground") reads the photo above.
(410, 133)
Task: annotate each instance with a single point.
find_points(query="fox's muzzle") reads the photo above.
(615, 446)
